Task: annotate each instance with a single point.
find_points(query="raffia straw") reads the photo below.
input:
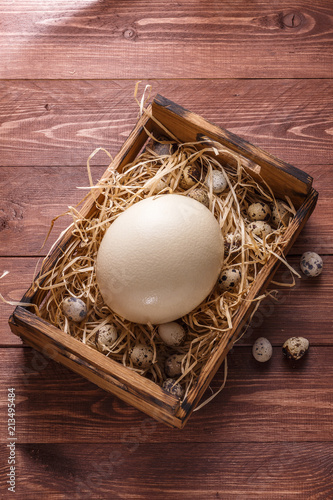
(150, 174)
(16, 303)
(208, 400)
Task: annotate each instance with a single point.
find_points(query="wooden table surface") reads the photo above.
(68, 70)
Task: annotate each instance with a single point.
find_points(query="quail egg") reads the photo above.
(280, 214)
(229, 279)
(190, 176)
(232, 242)
(262, 350)
(295, 347)
(175, 389)
(259, 211)
(172, 334)
(218, 181)
(173, 365)
(160, 148)
(75, 309)
(158, 187)
(200, 195)
(260, 228)
(106, 336)
(142, 356)
(311, 264)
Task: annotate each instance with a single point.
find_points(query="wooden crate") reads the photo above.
(131, 387)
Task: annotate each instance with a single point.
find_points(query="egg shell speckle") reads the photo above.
(200, 195)
(229, 279)
(106, 337)
(218, 181)
(172, 334)
(262, 350)
(190, 176)
(75, 309)
(175, 389)
(295, 347)
(142, 356)
(158, 147)
(259, 211)
(173, 365)
(158, 187)
(311, 264)
(280, 214)
(260, 228)
(232, 242)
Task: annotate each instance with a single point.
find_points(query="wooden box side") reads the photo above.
(108, 374)
(246, 309)
(284, 179)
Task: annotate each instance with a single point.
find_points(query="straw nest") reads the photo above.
(159, 169)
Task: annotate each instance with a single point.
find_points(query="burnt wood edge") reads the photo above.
(244, 147)
(42, 335)
(242, 317)
(78, 366)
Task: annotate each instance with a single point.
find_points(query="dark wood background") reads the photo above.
(260, 69)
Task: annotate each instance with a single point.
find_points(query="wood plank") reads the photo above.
(221, 40)
(60, 123)
(166, 471)
(54, 405)
(32, 197)
(274, 319)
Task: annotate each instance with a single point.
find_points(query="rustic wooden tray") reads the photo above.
(131, 387)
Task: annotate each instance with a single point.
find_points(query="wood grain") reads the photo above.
(32, 197)
(60, 123)
(261, 403)
(262, 70)
(291, 314)
(205, 39)
(161, 471)
(37, 333)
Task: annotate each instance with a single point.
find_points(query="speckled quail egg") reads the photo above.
(190, 176)
(175, 389)
(218, 181)
(75, 309)
(295, 347)
(262, 350)
(142, 356)
(229, 279)
(260, 228)
(173, 365)
(158, 186)
(232, 242)
(200, 195)
(106, 337)
(172, 334)
(280, 214)
(160, 148)
(311, 264)
(259, 211)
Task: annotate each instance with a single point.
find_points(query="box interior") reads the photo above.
(188, 128)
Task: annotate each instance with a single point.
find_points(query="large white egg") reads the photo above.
(159, 259)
